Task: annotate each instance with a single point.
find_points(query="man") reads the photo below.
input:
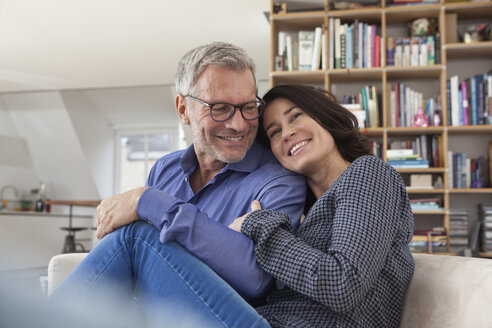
(194, 194)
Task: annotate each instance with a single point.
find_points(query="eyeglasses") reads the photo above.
(221, 112)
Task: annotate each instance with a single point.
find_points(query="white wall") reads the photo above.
(16, 166)
(96, 138)
(58, 158)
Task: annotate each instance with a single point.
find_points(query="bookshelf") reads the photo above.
(430, 80)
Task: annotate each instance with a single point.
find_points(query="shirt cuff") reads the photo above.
(153, 203)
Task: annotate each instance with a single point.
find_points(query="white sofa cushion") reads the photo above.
(448, 291)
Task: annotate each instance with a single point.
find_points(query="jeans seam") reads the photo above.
(103, 269)
(184, 280)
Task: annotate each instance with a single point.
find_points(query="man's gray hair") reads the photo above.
(220, 54)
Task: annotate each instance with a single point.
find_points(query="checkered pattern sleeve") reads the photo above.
(345, 245)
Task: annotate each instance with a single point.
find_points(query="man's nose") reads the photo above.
(236, 122)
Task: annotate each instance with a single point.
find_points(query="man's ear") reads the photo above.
(182, 109)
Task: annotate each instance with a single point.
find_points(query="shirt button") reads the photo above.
(186, 179)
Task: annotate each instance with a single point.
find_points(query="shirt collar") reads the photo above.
(249, 163)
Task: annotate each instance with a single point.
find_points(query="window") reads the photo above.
(137, 151)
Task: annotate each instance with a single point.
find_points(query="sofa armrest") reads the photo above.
(60, 267)
(448, 291)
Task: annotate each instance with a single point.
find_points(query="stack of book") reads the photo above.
(405, 159)
(405, 102)
(469, 101)
(429, 241)
(412, 51)
(355, 45)
(426, 147)
(458, 230)
(303, 51)
(486, 229)
(365, 104)
(425, 204)
(467, 172)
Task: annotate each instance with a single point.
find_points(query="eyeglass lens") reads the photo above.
(222, 112)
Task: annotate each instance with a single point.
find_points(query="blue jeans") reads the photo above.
(173, 288)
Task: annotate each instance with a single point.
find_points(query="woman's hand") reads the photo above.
(236, 225)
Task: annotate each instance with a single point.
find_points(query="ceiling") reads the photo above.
(88, 44)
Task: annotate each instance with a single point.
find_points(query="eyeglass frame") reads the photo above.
(231, 114)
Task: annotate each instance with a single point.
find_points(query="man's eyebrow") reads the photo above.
(285, 113)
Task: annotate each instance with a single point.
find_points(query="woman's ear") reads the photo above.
(182, 109)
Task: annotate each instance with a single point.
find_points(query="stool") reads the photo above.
(70, 245)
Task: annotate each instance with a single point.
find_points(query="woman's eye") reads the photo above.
(295, 116)
(274, 133)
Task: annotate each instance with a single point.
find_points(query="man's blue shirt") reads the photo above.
(200, 221)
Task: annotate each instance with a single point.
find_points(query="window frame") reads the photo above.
(119, 133)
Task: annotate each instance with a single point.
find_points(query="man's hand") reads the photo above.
(117, 211)
(236, 225)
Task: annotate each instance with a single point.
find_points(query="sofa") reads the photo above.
(445, 291)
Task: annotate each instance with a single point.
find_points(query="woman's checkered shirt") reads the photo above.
(349, 264)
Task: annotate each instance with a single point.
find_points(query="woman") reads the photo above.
(349, 264)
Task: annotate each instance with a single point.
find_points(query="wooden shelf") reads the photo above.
(468, 50)
(429, 212)
(295, 77)
(470, 10)
(349, 74)
(483, 254)
(413, 72)
(298, 16)
(471, 191)
(425, 191)
(368, 15)
(414, 130)
(433, 253)
(372, 132)
(470, 129)
(401, 14)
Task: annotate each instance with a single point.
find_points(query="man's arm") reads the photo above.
(227, 252)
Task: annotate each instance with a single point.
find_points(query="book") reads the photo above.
(349, 61)
(361, 52)
(369, 47)
(398, 52)
(337, 43)
(401, 164)
(356, 56)
(390, 52)
(343, 46)
(490, 163)
(399, 153)
(377, 49)
(438, 48)
(454, 100)
(331, 44)
(431, 50)
(406, 52)
(465, 102)
(306, 49)
(414, 51)
(423, 58)
(316, 55)
(289, 54)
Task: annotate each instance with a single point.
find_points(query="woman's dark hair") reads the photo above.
(323, 107)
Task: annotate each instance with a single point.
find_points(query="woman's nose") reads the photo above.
(288, 133)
